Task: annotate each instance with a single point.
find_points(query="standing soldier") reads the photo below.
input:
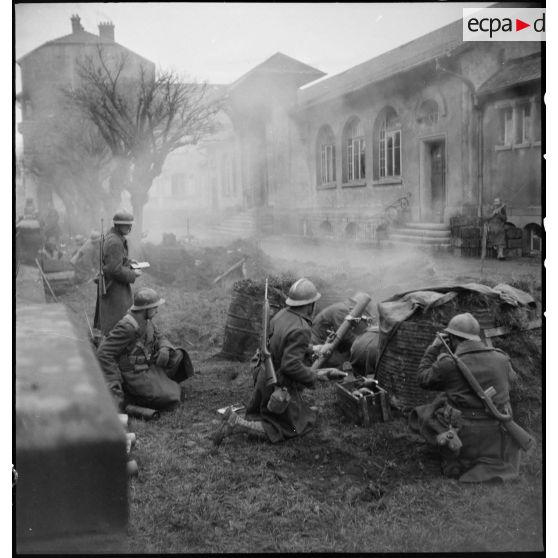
(496, 228)
(139, 362)
(291, 351)
(118, 274)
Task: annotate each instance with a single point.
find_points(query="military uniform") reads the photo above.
(118, 279)
(127, 356)
(289, 339)
(364, 352)
(329, 319)
(497, 230)
(488, 452)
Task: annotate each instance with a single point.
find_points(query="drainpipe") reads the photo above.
(478, 111)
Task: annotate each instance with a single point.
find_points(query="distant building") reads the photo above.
(47, 69)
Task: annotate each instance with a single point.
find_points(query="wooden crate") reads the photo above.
(365, 410)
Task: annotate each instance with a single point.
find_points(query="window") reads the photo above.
(428, 112)
(389, 145)
(178, 185)
(505, 121)
(326, 156)
(355, 165)
(523, 124)
(519, 123)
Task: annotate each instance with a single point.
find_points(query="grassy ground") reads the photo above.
(341, 488)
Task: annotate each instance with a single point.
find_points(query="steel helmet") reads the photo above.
(465, 326)
(302, 292)
(146, 298)
(123, 218)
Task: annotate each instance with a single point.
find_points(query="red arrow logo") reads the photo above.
(519, 25)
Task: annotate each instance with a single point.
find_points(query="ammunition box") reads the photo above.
(365, 410)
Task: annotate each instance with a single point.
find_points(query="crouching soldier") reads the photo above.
(329, 320)
(139, 363)
(291, 352)
(472, 443)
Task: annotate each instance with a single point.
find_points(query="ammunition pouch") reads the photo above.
(450, 440)
(279, 400)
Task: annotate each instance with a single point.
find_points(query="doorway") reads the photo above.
(433, 180)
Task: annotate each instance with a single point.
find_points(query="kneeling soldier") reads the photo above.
(139, 362)
(291, 350)
(473, 445)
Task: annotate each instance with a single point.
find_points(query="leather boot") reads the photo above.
(233, 424)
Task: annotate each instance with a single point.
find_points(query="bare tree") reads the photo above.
(73, 159)
(142, 118)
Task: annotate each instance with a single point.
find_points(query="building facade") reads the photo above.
(434, 128)
(45, 71)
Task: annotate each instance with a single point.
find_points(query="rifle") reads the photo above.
(102, 285)
(265, 355)
(337, 337)
(523, 439)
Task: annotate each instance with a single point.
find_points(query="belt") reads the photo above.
(476, 414)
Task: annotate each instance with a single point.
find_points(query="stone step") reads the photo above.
(416, 239)
(442, 246)
(421, 232)
(427, 226)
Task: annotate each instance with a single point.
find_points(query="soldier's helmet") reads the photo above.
(358, 298)
(146, 298)
(302, 292)
(94, 236)
(465, 326)
(123, 218)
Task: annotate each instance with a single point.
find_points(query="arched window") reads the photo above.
(428, 112)
(387, 136)
(325, 156)
(354, 164)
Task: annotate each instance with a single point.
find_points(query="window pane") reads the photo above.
(362, 159)
(397, 155)
(350, 161)
(382, 157)
(526, 124)
(333, 163)
(389, 149)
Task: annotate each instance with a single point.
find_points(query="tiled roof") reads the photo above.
(514, 72)
(81, 37)
(425, 48)
(280, 63)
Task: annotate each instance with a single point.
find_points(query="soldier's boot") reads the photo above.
(233, 424)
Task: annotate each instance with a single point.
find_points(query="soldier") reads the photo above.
(496, 228)
(473, 446)
(118, 274)
(139, 362)
(290, 348)
(328, 320)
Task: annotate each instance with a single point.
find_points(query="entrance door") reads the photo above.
(438, 179)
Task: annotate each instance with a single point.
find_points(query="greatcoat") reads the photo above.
(289, 339)
(488, 452)
(128, 355)
(118, 279)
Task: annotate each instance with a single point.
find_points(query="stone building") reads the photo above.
(435, 128)
(44, 72)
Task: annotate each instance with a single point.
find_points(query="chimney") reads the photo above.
(76, 25)
(106, 30)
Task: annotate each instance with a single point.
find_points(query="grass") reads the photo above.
(341, 488)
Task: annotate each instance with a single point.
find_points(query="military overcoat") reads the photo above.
(289, 339)
(119, 277)
(488, 452)
(127, 356)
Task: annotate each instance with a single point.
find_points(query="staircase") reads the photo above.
(240, 225)
(432, 236)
